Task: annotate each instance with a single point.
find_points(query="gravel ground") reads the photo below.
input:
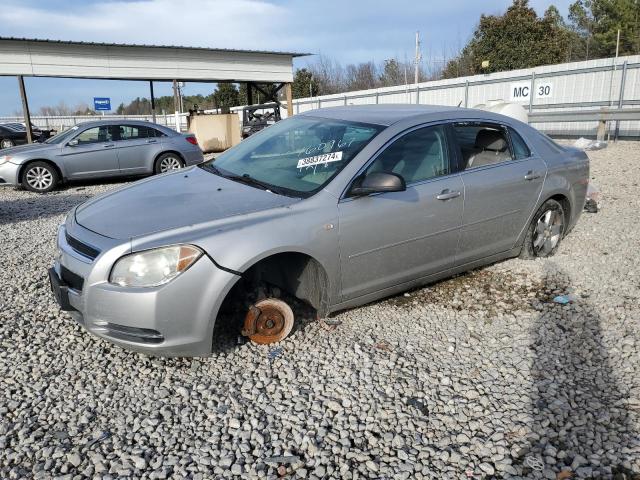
(481, 376)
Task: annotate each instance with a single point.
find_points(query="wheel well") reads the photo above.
(297, 274)
(48, 162)
(155, 161)
(566, 206)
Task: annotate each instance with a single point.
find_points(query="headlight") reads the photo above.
(154, 267)
(4, 158)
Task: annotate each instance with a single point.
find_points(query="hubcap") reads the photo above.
(548, 231)
(39, 178)
(7, 144)
(170, 163)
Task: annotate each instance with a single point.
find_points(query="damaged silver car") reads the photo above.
(335, 207)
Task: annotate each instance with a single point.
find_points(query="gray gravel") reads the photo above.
(481, 376)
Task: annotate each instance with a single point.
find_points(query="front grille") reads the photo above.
(132, 334)
(82, 248)
(71, 279)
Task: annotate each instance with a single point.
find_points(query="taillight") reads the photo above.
(192, 140)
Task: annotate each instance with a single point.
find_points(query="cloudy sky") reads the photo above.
(348, 30)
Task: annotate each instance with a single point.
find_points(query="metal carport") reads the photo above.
(22, 57)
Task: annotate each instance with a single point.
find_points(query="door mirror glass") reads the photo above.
(73, 142)
(377, 182)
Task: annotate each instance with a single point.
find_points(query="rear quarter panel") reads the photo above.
(567, 173)
(192, 154)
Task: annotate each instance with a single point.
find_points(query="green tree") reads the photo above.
(517, 39)
(226, 95)
(303, 84)
(595, 24)
(392, 73)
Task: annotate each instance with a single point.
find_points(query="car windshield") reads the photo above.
(295, 157)
(61, 137)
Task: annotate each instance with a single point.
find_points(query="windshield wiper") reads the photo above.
(249, 180)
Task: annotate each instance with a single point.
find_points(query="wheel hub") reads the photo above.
(268, 321)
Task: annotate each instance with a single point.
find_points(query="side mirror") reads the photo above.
(73, 143)
(377, 182)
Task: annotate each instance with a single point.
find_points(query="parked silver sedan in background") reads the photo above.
(104, 148)
(336, 207)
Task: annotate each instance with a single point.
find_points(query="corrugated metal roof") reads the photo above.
(104, 44)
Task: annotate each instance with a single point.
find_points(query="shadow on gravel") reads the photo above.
(579, 417)
(37, 206)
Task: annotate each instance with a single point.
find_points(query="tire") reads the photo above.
(168, 162)
(6, 143)
(40, 177)
(545, 232)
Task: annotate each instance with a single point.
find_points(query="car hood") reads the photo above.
(178, 199)
(28, 149)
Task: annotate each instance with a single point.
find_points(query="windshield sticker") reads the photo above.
(320, 159)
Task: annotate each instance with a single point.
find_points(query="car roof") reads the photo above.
(97, 123)
(389, 114)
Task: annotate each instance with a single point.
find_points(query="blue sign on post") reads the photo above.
(101, 104)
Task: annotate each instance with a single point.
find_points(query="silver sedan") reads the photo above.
(105, 148)
(335, 207)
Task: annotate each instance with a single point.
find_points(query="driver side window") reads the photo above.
(417, 156)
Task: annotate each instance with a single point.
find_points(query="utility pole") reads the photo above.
(25, 109)
(176, 105)
(416, 62)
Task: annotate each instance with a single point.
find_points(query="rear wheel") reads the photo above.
(545, 231)
(167, 162)
(7, 143)
(268, 321)
(40, 177)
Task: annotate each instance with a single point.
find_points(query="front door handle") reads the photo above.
(152, 141)
(531, 175)
(108, 145)
(447, 195)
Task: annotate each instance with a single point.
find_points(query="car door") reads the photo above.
(136, 146)
(502, 185)
(91, 153)
(387, 239)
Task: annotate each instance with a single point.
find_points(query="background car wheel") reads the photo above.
(268, 321)
(7, 143)
(167, 162)
(39, 177)
(545, 231)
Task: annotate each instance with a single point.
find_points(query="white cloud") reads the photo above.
(207, 23)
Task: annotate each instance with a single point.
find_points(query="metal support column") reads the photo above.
(466, 94)
(153, 102)
(532, 91)
(621, 98)
(25, 109)
(249, 94)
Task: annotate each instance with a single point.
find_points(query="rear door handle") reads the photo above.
(447, 195)
(531, 175)
(108, 145)
(152, 141)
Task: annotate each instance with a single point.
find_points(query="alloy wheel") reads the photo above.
(548, 232)
(39, 178)
(170, 163)
(6, 144)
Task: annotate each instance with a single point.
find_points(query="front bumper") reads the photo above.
(174, 319)
(9, 173)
